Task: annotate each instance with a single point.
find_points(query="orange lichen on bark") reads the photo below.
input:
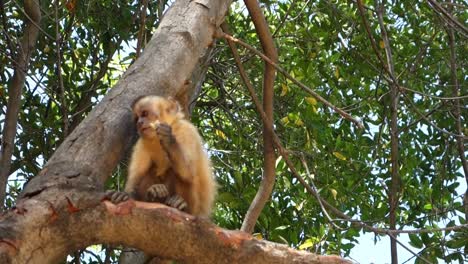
(71, 207)
(232, 238)
(11, 246)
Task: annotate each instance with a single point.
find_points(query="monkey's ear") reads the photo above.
(174, 106)
(137, 100)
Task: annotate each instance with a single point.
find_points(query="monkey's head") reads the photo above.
(151, 110)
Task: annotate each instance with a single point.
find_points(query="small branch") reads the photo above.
(451, 19)
(269, 75)
(394, 194)
(142, 30)
(28, 42)
(283, 21)
(456, 111)
(455, 97)
(425, 118)
(319, 199)
(58, 44)
(362, 12)
(344, 114)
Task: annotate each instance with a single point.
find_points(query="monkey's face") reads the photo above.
(150, 111)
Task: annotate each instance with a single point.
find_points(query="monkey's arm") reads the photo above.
(183, 146)
(140, 163)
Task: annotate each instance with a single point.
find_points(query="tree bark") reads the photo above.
(269, 157)
(31, 32)
(70, 220)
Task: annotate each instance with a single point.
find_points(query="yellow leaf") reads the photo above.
(339, 155)
(307, 244)
(382, 44)
(337, 73)
(220, 134)
(299, 122)
(257, 236)
(285, 120)
(334, 193)
(284, 89)
(311, 100)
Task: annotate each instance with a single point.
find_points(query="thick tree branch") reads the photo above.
(269, 75)
(31, 32)
(70, 220)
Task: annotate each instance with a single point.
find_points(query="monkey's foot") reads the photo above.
(177, 202)
(117, 197)
(165, 135)
(157, 193)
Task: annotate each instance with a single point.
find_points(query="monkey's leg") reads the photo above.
(177, 202)
(116, 196)
(157, 193)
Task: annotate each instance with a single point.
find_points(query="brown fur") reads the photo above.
(183, 166)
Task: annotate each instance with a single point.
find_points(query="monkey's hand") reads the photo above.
(117, 197)
(177, 202)
(165, 135)
(157, 193)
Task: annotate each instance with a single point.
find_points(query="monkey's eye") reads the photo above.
(144, 113)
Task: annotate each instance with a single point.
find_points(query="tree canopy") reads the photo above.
(395, 163)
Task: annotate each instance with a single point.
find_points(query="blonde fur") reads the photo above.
(184, 166)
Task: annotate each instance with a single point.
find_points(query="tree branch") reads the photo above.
(268, 178)
(25, 50)
(141, 32)
(393, 196)
(69, 220)
(456, 113)
(319, 98)
(61, 88)
(285, 155)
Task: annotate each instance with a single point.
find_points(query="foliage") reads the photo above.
(324, 45)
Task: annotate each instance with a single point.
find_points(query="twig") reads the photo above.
(456, 111)
(281, 24)
(369, 33)
(32, 19)
(317, 195)
(423, 116)
(455, 97)
(58, 43)
(452, 20)
(298, 83)
(142, 27)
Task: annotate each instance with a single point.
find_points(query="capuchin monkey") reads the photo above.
(168, 163)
